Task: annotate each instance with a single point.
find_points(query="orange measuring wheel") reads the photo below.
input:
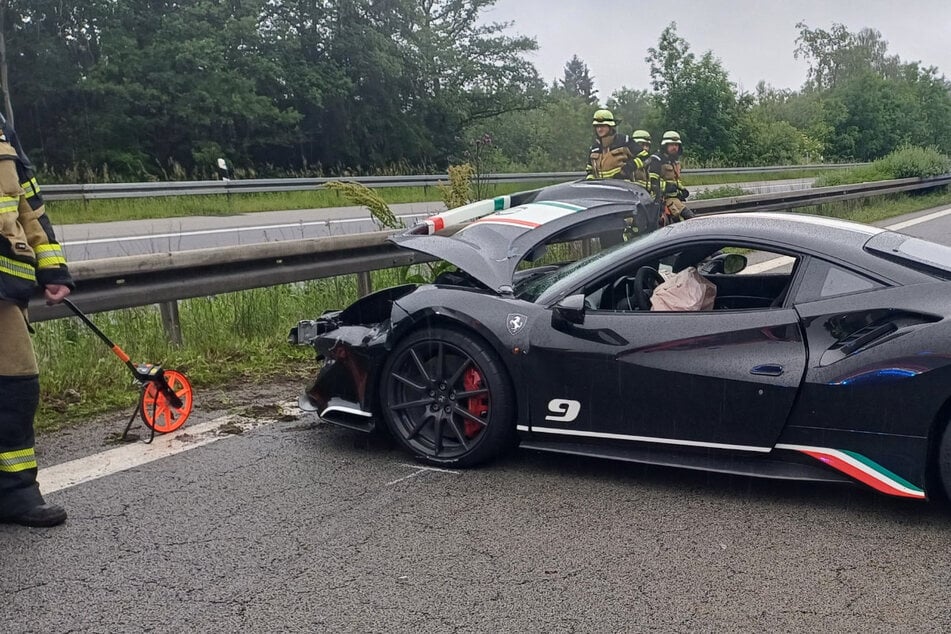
(158, 413)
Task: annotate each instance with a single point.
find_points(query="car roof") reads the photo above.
(816, 233)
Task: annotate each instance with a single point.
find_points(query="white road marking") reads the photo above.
(418, 471)
(205, 232)
(768, 265)
(898, 226)
(69, 474)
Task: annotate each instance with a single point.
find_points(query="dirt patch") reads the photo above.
(230, 428)
(80, 438)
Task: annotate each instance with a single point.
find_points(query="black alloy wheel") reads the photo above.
(447, 398)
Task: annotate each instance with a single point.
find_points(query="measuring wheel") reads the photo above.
(157, 413)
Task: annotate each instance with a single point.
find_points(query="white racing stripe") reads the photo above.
(136, 454)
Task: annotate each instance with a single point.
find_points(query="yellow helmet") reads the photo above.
(604, 117)
(641, 136)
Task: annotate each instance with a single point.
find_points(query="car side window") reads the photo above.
(822, 280)
(736, 277)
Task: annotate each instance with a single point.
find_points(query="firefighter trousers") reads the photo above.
(19, 398)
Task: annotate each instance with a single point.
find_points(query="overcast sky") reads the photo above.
(753, 40)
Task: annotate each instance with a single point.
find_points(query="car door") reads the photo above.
(716, 378)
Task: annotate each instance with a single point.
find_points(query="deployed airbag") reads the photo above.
(686, 290)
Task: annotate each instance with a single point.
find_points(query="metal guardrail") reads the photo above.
(263, 185)
(138, 280)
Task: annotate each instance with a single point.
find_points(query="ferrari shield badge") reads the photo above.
(515, 322)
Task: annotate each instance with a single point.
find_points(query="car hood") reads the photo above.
(491, 248)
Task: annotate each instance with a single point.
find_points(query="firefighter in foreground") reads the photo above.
(612, 154)
(29, 256)
(665, 183)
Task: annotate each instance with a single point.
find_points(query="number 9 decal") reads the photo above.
(562, 410)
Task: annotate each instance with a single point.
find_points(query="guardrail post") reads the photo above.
(364, 284)
(171, 321)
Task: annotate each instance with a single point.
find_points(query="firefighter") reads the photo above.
(665, 182)
(612, 154)
(642, 138)
(647, 217)
(29, 256)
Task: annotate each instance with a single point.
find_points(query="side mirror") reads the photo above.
(570, 310)
(724, 263)
(733, 263)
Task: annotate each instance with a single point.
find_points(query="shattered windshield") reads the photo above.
(532, 288)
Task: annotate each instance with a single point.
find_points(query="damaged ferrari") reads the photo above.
(821, 350)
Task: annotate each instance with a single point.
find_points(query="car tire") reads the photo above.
(447, 398)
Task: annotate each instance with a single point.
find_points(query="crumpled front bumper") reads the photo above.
(351, 357)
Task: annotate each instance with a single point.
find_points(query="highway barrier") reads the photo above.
(93, 191)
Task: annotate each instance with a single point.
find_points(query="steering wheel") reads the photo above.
(620, 293)
(645, 281)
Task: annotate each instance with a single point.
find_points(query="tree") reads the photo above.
(50, 46)
(694, 97)
(635, 109)
(555, 136)
(187, 83)
(867, 101)
(836, 55)
(409, 78)
(578, 81)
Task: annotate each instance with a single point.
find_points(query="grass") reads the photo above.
(65, 212)
(229, 338)
(871, 210)
(241, 337)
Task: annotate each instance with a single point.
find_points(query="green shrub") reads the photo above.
(459, 190)
(905, 162)
(910, 162)
(727, 191)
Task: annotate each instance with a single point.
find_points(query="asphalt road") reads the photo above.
(296, 527)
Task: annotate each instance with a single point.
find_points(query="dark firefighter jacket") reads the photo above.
(29, 253)
(664, 173)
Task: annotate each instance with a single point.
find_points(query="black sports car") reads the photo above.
(826, 354)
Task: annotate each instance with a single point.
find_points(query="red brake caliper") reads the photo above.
(477, 405)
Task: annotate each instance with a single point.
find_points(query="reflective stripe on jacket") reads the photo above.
(29, 253)
(613, 161)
